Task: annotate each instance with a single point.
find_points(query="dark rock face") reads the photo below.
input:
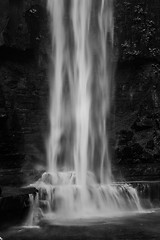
(23, 88)
(137, 29)
(138, 100)
(137, 88)
(24, 45)
(15, 205)
(137, 114)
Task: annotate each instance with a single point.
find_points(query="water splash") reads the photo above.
(79, 177)
(34, 212)
(60, 199)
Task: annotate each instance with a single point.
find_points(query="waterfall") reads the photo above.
(78, 181)
(80, 78)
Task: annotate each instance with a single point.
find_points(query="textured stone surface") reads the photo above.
(136, 129)
(14, 206)
(23, 88)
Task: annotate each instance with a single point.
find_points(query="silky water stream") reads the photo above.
(78, 183)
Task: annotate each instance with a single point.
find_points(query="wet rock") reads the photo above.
(136, 28)
(137, 115)
(14, 205)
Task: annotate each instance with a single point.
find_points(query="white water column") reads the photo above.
(56, 8)
(82, 74)
(75, 112)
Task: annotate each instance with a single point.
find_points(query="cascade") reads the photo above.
(78, 182)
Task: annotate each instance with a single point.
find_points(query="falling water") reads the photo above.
(78, 182)
(80, 87)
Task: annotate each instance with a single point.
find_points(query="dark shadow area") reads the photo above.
(16, 55)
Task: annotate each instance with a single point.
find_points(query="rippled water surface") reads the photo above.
(141, 226)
